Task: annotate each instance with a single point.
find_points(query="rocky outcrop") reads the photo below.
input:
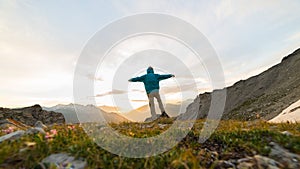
(262, 96)
(30, 115)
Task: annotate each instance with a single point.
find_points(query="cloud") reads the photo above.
(114, 91)
(139, 100)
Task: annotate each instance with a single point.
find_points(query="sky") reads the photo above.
(41, 41)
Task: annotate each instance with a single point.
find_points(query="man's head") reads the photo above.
(150, 70)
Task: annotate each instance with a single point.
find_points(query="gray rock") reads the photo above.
(60, 160)
(35, 130)
(13, 135)
(288, 159)
(258, 161)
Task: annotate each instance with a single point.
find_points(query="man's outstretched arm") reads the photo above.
(162, 77)
(136, 79)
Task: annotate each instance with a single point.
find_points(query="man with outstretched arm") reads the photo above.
(151, 83)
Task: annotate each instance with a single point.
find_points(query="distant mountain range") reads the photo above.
(91, 113)
(75, 113)
(262, 96)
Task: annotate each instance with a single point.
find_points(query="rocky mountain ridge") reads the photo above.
(263, 96)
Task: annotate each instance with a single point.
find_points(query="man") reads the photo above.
(151, 83)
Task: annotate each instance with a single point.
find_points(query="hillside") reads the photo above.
(89, 113)
(262, 96)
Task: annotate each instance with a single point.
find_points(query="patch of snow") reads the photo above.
(291, 114)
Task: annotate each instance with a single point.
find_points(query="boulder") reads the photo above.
(288, 159)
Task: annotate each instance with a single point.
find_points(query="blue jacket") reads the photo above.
(150, 80)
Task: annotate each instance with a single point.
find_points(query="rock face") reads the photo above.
(262, 96)
(30, 115)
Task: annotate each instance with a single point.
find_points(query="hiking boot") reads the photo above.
(164, 114)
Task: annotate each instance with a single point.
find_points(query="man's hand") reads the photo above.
(173, 75)
(129, 80)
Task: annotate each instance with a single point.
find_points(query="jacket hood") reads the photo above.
(150, 70)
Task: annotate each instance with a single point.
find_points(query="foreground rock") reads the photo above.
(258, 161)
(63, 160)
(278, 158)
(11, 136)
(288, 159)
(30, 115)
(21, 129)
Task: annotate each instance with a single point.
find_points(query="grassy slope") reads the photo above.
(232, 140)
